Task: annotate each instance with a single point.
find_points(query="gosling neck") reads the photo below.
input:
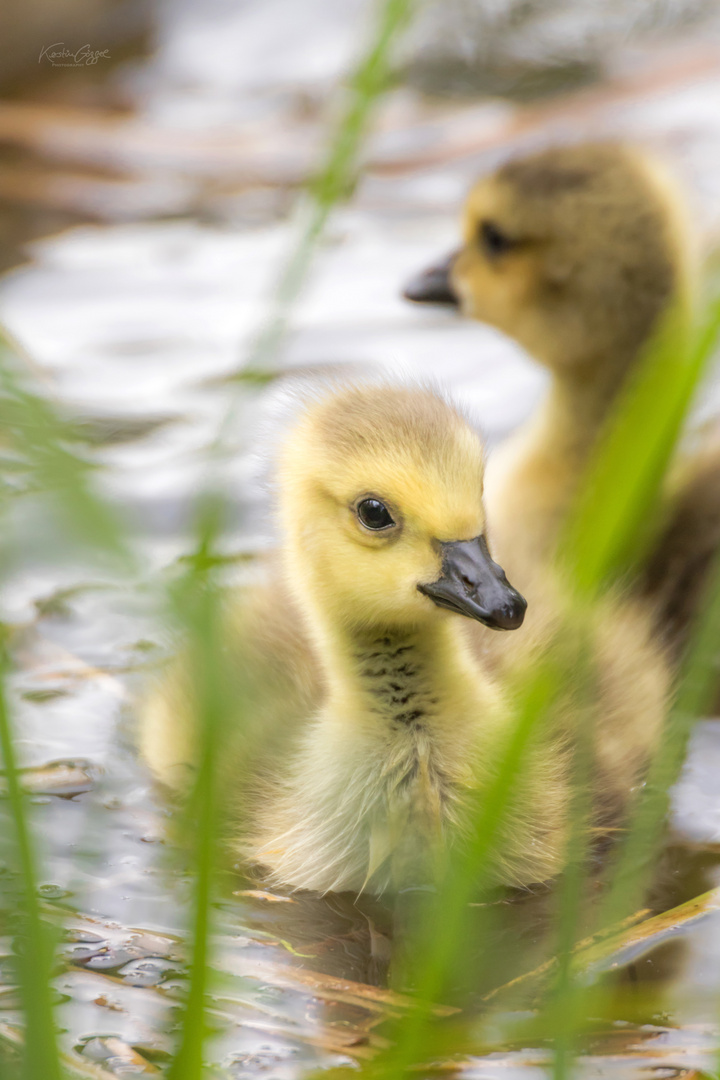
(587, 381)
(397, 677)
(575, 410)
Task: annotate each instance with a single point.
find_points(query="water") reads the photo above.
(135, 322)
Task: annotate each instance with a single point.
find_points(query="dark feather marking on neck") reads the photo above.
(394, 678)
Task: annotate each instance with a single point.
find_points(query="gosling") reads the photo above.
(577, 252)
(387, 718)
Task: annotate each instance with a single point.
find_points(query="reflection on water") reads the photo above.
(135, 326)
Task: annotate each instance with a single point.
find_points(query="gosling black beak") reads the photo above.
(433, 286)
(472, 584)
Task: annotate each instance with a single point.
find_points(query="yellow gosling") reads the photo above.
(358, 654)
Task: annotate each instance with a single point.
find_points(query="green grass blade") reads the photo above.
(609, 525)
(43, 440)
(336, 178)
(608, 531)
(571, 887)
(197, 601)
(631, 871)
(695, 696)
(467, 877)
(624, 483)
(35, 942)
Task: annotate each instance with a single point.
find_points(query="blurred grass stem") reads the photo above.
(34, 940)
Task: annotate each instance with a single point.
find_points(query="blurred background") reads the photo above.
(152, 165)
(150, 175)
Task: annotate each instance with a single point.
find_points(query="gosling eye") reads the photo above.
(374, 514)
(493, 240)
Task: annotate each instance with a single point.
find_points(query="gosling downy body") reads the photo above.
(577, 252)
(358, 648)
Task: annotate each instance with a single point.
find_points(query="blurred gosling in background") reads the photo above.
(576, 252)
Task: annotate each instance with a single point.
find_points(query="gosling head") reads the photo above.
(574, 252)
(381, 504)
